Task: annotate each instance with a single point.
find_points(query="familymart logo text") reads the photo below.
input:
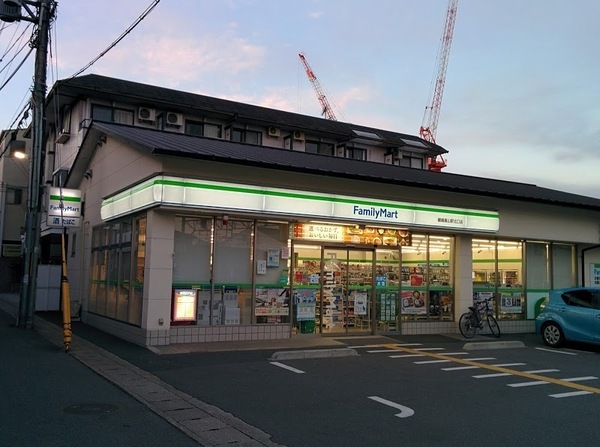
(375, 212)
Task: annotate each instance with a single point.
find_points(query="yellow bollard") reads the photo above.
(66, 299)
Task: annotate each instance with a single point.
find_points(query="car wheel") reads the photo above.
(552, 335)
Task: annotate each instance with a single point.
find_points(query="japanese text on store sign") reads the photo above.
(324, 232)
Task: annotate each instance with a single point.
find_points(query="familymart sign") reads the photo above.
(230, 197)
(64, 207)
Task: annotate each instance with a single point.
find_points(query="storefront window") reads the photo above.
(272, 293)
(306, 280)
(498, 272)
(192, 269)
(563, 266)
(112, 270)
(412, 275)
(440, 278)
(232, 272)
(139, 263)
(387, 287)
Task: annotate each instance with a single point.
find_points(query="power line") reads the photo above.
(17, 69)
(121, 37)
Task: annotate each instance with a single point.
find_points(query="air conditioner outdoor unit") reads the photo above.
(298, 135)
(174, 119)
(146, 114)
(273, 131)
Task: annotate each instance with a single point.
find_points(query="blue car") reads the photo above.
(570, 315)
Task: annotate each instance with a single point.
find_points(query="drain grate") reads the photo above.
(91, 408)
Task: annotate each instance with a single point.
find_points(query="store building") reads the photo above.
(209, 220)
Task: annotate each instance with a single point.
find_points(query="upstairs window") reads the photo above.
(112, 114)
(356, 153)
(246, 136)
(411, 162)
(317, 147)
(199, 129)
(14, 196)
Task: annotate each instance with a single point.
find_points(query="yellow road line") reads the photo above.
(514, 372)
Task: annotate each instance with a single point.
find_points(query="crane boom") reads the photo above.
(327, 111)
(432, 112)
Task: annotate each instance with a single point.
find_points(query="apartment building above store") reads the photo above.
(74, 103)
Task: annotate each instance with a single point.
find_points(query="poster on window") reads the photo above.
(273, 257)
(413, 302)
(271, 302)
(184, 304)
(305, 304)
(360, 303)
(510, 303)
(595, 275)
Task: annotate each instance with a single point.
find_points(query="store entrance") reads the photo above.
(345, 304)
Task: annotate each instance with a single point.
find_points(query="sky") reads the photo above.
(521, 99)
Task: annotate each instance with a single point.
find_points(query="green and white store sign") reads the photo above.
(231, 197)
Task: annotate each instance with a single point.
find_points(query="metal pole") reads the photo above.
(32, 222)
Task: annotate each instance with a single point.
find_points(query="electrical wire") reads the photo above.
(121, 37)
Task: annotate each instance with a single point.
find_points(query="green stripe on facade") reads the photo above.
(293, 195)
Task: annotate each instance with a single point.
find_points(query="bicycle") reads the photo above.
(473, 320)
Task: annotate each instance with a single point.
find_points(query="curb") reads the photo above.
(314, 354)
(493, 345)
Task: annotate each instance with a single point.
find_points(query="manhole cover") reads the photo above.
(91, 408)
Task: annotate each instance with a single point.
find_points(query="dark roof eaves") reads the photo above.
(279, 158)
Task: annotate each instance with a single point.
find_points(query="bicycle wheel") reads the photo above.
(493, 324)
(464, 324)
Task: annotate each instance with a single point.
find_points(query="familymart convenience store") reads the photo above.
(250, 262)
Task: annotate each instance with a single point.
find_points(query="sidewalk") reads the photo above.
(49, 398)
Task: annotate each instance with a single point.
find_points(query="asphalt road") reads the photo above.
(48, 398)
(427, 394)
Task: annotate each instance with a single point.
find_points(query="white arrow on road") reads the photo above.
(405, 412)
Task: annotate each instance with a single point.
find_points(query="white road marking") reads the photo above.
(532, 383)
(538, 371)
(556, 351)
(400, 356)
(580, 379)
(409, 344)
(571, 394)
(456, 353)
(459, 368)
(509, 364)
(289, 368)
(377, 351)
(477, 359)
(404, 411)
(491, 376)
(430, 349)
(424, 362)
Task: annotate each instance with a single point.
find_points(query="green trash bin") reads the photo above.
(307, 326)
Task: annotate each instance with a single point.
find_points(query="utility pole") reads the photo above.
(40, 12)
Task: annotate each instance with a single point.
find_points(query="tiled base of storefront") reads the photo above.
(451, 327)
(194, 334)
(197, 334)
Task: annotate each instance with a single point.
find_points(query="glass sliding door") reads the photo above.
(346, 299)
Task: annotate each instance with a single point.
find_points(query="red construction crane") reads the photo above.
(327, 110)
(432, 112)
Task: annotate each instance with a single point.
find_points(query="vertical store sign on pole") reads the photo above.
(64, 210)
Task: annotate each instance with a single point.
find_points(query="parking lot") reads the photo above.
(429, 392)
